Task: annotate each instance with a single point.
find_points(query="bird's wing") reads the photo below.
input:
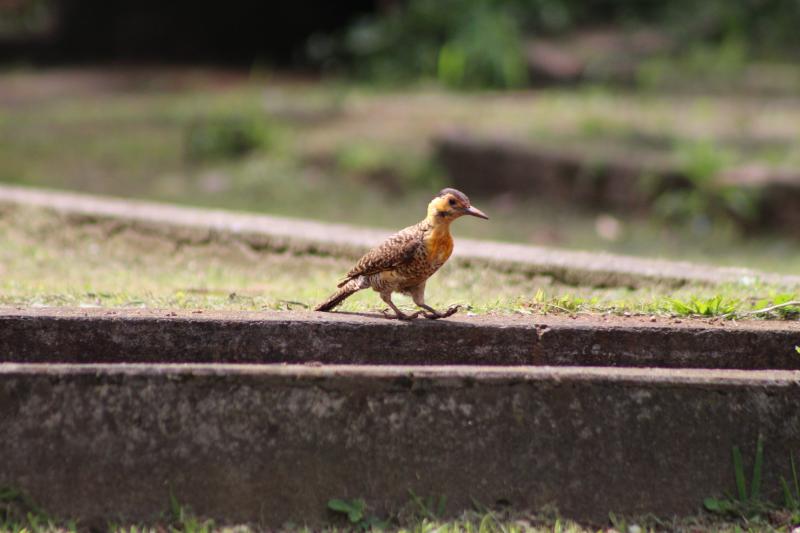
(397, 250)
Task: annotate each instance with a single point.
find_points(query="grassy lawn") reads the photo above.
(47, 261)
(349, 154)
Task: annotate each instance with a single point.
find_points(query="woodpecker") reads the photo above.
(405, 261)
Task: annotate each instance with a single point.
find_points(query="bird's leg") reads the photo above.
(387, 297)
(418, 295)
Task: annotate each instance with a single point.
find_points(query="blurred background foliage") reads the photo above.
(463, 43)
(480, 43)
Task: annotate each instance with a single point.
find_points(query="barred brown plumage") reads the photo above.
(405, 261)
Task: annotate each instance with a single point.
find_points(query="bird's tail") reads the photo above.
(348, 288)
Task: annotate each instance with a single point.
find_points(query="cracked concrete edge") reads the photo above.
(262, 232)
(79, 335)
(272, 443)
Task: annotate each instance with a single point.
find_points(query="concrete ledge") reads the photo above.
(273, 443)
(268, 233)
(611, 180)
(125, 335)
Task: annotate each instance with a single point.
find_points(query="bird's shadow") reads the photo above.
(391, 318)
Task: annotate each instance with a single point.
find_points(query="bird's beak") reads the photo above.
(474, 211)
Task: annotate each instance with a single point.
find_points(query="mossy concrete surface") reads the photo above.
(187, 225)
(75, 335)
(273, 443)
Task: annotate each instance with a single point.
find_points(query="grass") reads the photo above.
(751, 505)
(48, 261)
(416, 517)
(714, 306)
(428, 515)
(351, 154)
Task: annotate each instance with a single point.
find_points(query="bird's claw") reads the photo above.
(400, 316)
(412, 316)
(450, 312)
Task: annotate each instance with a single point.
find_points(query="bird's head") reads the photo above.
(450, 204)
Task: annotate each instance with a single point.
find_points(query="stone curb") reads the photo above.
(270, 444)
(125, 335)
(261, 232)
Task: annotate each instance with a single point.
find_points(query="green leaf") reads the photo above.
(356, 515)
(339, 506)
(354, 509)
(797, 349)
(722, 507)
(713, 505)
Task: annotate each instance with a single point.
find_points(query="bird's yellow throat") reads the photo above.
(439, 242)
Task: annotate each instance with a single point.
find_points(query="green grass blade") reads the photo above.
(794, 475)
(442, 506)
(424, 508)
(175, 507)
(485, 525)
(788, 499)
(738, 470)
(755, 484)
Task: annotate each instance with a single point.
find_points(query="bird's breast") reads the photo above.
(439, 245)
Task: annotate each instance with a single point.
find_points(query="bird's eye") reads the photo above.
(452, 202)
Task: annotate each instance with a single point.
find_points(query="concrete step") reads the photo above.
(272, 443)
(75, 335)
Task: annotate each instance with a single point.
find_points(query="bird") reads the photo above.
(404, 262)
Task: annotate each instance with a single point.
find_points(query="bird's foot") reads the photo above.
(399, 315)
(436, 314)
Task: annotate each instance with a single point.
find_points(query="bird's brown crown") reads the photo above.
(455, 193)
(450, 204)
